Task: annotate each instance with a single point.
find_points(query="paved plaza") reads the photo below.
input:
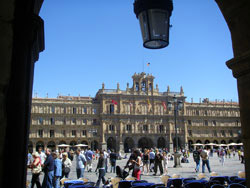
(231, 167)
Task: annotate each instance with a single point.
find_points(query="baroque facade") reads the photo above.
(140, 116)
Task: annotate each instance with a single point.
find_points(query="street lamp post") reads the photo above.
(177, 106)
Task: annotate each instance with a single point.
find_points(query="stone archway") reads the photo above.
(51, 145)
(128, 144)
(72, 145)
(198, 141)
(94, 145)
(111, 143)
(223, 142)
(39, 144)
(85, 142)
(145, 142)
(62, 142)
(161, 142)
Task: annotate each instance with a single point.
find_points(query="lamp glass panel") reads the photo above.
(144, 25)
(158, 24)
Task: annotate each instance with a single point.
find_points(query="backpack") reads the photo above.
(196, 155)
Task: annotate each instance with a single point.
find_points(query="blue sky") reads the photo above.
(89, 42)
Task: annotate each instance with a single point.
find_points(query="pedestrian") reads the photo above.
(165, 162)
(101, 169)
(30, 159)
(242, 156)
(145, 160)
(137, 165)
(205, 160)
(112, 158)
(196, 156)
(36, 169)
(222, 156)
(106, 155)
(42, 155)
(151, 159)
(80, 164)
(239, 154)
(130, 164)
(158, 162)
(57, 170)
(89, 157)
(48, 168)
(66, 164)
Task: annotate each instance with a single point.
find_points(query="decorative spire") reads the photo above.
(118, 86)
(127, 85)
(103, 85)
(182, 90)
(168, 90)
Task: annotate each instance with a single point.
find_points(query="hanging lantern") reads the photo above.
(154, 16)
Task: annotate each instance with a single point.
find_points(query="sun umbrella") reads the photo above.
(222, 145)
(81, 145)
(232, 144)
(211, 144)
(240, 144)
(63, 145)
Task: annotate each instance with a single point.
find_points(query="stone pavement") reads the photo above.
(231, 167)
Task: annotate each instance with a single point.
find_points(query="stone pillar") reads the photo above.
(241, 70)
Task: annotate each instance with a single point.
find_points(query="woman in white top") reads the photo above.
(66, 163)
(165, 162)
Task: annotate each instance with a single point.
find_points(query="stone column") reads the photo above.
(237, 16)
(241, 70)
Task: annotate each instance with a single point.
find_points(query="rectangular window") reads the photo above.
(64, 133)
(128, 127)
(223, 133)
(51, 133)
(73, 121)
(74, 133)
(40, 121)
(145, 127)
(84, 121)
(40, 133)
(214, 133)
(74, 110)
(112, 109)
(94, 122)
(111, 127)
(189, 122)
(53, 109)
(214, 123)
(84, 133)
(161, 128)
(231, 132)
(190, 133)
(94, 110)
(205, 122)
(52, 121)
(84, 110)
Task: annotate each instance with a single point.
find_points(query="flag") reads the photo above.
(114, 102)
(148, 64)
(164, 105)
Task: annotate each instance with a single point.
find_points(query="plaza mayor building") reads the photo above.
(139, 116)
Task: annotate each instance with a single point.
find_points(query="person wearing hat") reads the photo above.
(36, 169)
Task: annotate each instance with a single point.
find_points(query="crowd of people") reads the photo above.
(57, 165)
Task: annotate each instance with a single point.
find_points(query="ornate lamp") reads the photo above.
(154, 17)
